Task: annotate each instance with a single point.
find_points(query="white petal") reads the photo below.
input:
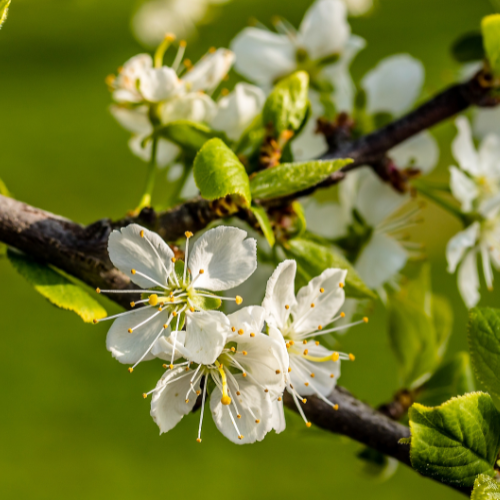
(461, 242)
(158, 84)
(195, 107)
(252, 403)
(393, 85)
(168, 404)
(309, 144)
(278, 420)
(326, 219)
(324, 30)
(128, 76)
(263, 56)
(248, 319)
(128, 347)
(486, 121)
(134, 120)
(322, 383)
(206, 334)
(209, 71)
(468, 280)
(225, 256)
(326, 305)
(236, 111)
(166, 151)
(464, 189)
(164, 346)
(489, 157)
(280, 292)
(463, 147)
(149, 255)
(421, 151)
(358, 7)
(380, 260)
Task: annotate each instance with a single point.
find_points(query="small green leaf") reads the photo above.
(484, 347)
(468, 48)
(485, 488)
(264, 223)
(219, 173)
(451, 379)
(286, 106)
(188, 135)
(456, 441)
(4, 8)
(490, 27)
(57, 288)
(301, 218)
(313, 258)
(290, 178)
(442, 315)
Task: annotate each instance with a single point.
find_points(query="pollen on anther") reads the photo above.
(233, 349)
(322, 290)
(306, 352)
(292, 342)
(244, 353)
(94, 321)
(342, 314)
(304, 401)
(133, 271)
(174, 314)
(332, 375)
(130, 370)
(142, 233)
(98, 290)
(257, 421)
(278, 372)
(287, 345)
(198, 440)
(317, 342)
(352, 357)
(233, 329)
(171, 366)
(335, 356)
(164, 365)
(312, 375)
(335, 407)
(289, 369)
(188, 234)
(312, 305)
(244, 374)
(238, 416)
(287, 307)
(252, 335)
(266, 390)
(279, 399)
(202, 271)
(240, 331)
(173, 259)
(198, 392)
(130, 330)
(304, 342)
(306, 384)
(365, 319)
(320, 327)
(238, 393)
(144, 395)
(341, 285)
(240, 437)
(132, 304)
(187, 401)
(238, 300)
(308, 424)
(191, 309)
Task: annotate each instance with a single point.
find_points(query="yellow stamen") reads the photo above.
(341, 285)
(304, 342)
(233, 349)
(279, 399)
(130, 370)
(312, 375)
(244, 353)
(94, 321)
(188, 234)
(198, 440)
(142, 233)
(365, 319)
(306, 351)
(171, 366)
(312, 305)
(321, 290)
(173, 259)
(133, 271)
(130, 330)
(252, 335)
(98, 290)
(174, 314)
(335, 407)
(153, 299)
(287, 307)
(132, 304)
(191, 309)
(164, 365)
(317, 342)
(144, 395)
(342, 314)
(332, 375)
(225, 400)
(289, 369)
(240, 331)
(308, 424)
(278, 372)
(352, 357)
(320, 327)
(257, 421)
(202, 271)
(304, 401)
(233, 329)
(292, 342)
(238, 300)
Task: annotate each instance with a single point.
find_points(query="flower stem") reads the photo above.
(150, 181)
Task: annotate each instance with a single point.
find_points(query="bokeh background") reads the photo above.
(73, 424)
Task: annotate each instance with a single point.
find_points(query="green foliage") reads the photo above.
(485, 488)
(4, 9)
(490, 27)
(456, 441)
(3, 189)
(419, 327)
(57, 288)
(289, 178)
(264, 223)
(287, 104)
(313, 258)
(452, 378)
(190, 136)
(377, 465)
(484, 346)
(219, 173)
(468, 48)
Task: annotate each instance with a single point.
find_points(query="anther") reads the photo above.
(332, 375)
(279, 399)
(238, 416)
(98, 290)
(304, 342)
(257, 421)
(142, 233)
(164, 365)
(341, 285)
(240, 331)
(238, 300)
(173, 259)
(317, 342)
(306, 384)
(165, 326)
(186, 401)
(365, 319)
(233, 349)
(289, 369)
(321, 290)
(171, 366)
(172, 299)
(238, 393)
(188, 234)
(312, 305)
(292, 342)
(132, 304)
(335, 407)
(187, 368)
(342, 314)
(153, 299)
(187, 63)
(244, 353)
(252, 335)
(191, 309)
(144, 395)
(287, 345)
(202, 271)
(266, 390)
(308, 424)
(352, 357)
(304, 401)
(233, 329)
(225, 400)
(306, 352)
(198, 392)
(335, 356)
(224, 92)
(130, 370)
(198, 440)
(287, 307)
(130, 330)
(278, 372)
(244, 374)
(94, 321)
(240, 437)
(174, 314)
(320, 327)
(312, 375)
(133, 271)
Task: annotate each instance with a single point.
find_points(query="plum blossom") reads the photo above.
(314, 369)
(476, 185)
(175, 292)
(248, 373)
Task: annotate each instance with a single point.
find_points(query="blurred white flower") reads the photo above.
(156, 17)
(248, 374)
(220, 259)
(358, 7)
(314, 370)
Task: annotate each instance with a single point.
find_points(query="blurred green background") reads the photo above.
(73, 424)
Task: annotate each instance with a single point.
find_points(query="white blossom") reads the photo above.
(220, 259)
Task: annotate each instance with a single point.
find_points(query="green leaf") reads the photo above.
(4, 190)
(377, 465)
(485, 488)
(490, 27)
(313, 258)
(290, 178)
(57, 288)
(456, 441)
(442, 315)
(286, 106)
(484, 347)
(468, 48)
(301, 218)
(4, 8)
(219, 173)
(453, 378)
(264, 223)
(188, 135)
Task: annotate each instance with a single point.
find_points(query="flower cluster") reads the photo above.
(244, 360)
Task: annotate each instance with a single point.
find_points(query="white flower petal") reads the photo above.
(380, 260)
(464, 189)
(463, 147)
(166, 151)
(195, 107)
(164, 346)
(308, 144)
(134, 120)
(158, 84)
(206, 334)
(168, 404)
(324, 30)
(278, 419)
(248, 320)
(326, 219)
(263, 56)
(486, 120)
(128, 348)
(252, 403)
(225, 256)
(468, 280)
(149, 255)
(358, 7)
(420, 151)
(393, 85)
(326, 305)
(236, 111)
(280, 293)
(489, 157)
(209, 71)
(457, 246)
(128, 76)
